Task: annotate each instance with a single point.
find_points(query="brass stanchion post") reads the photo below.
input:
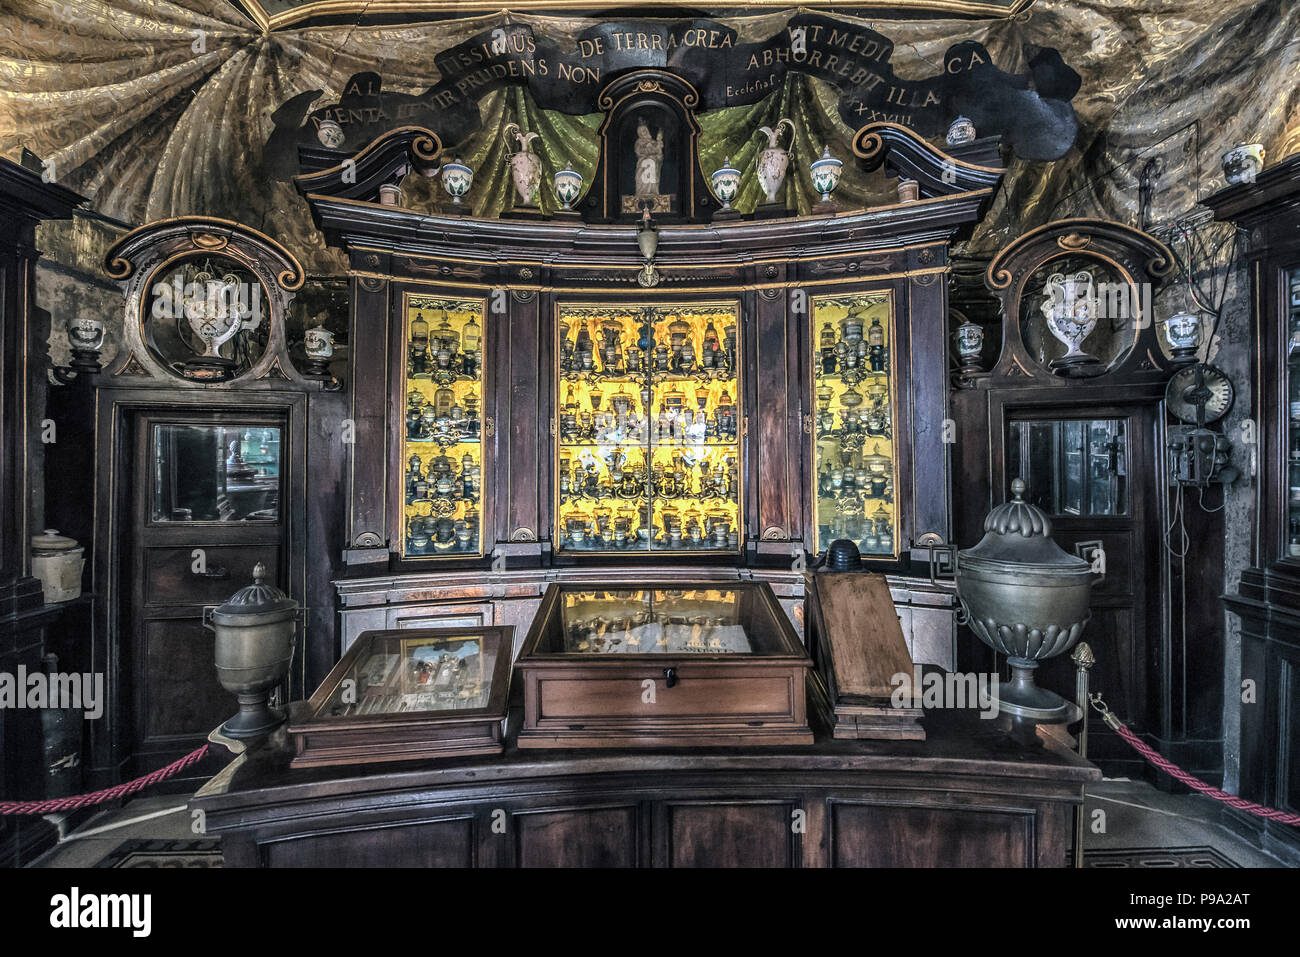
(1083, 660)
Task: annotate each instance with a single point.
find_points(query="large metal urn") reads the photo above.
(1025, 598)
(255, 632)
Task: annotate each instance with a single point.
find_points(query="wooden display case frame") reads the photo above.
(371, 738)
(397, 446)
(611, 700)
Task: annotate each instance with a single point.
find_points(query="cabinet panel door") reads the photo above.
(875, 835)
(582, 837)
(428, 844)
(731, 835)
(178, 693)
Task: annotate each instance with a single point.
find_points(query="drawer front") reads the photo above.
(646, 695)
(174, 576)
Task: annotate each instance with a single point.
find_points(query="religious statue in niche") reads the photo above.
(649, 178)
(649, 163)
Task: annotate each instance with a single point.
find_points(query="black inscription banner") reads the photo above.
(1031, 111)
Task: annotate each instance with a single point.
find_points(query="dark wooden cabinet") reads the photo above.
(197, 480)
(958, 798)
(1267, 599)
(27, 625)
(784, 280)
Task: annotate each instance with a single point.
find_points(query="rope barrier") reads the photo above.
(107, 794)
(1174, 771)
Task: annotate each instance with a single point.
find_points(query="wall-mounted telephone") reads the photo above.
(1199, 395)
(1199, 457)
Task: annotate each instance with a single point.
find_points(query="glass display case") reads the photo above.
(649, 428)
(409, 693)
(662, 664)
(442, 433)
(854, 451)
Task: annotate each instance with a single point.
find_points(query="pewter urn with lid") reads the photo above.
(1025, 598)
(255, 632)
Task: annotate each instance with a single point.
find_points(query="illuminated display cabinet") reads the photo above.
(854, 476)
(718, 404)
(442, 431)
(649, 428)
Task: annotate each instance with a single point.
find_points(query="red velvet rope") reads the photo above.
(107, 794)
(1196, 784)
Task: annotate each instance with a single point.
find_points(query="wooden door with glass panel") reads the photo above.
(207, 505)
(1080, 472)
(649, 430)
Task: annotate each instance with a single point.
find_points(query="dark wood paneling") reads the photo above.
(769, 415)
(367, 483)
(742, 835)
(527, 467)
(177, 689)
(877, 835)
(923, 345)
(594, 837)
(435, 844)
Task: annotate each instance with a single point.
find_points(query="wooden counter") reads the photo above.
(966, 796)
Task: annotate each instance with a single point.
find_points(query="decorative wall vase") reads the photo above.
(390, 195)
(330, 134)
(525, 166)
(1242, 163)
(568, 186)
(1070, 308)
(1184, 332)
(457, 178)
(215, 318)
(773, 161)
(970, 346)
(725, 181)
(961, 132)
(318, 342)
(86, 332)
(826, 174)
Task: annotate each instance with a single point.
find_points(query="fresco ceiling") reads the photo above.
(155, 109)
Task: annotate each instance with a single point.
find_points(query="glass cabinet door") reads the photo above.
(442, 433)
(648, 430)
(854, 453)
(214, 473)
(1291, 309)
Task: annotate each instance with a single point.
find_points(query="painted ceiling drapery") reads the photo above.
(156, 109)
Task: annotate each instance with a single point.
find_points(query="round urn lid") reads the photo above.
(50, 542)
(255, 604)
(1019, 533)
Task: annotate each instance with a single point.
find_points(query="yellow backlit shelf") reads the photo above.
(648, 423)
(442, 446)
